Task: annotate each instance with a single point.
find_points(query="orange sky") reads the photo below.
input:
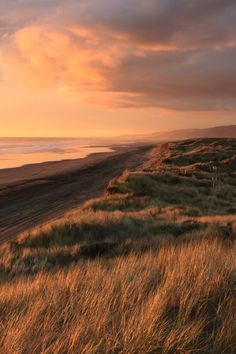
(71, 68)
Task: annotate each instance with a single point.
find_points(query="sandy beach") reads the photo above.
(35, 194)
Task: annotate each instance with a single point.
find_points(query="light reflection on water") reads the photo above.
(16, 152)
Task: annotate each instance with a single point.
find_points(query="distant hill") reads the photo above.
(228, 131)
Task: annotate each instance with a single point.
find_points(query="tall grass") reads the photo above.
(180, 299)
(149, 268)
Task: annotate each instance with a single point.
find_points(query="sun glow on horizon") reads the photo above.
(82, 70)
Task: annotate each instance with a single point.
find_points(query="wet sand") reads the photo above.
(35, 194)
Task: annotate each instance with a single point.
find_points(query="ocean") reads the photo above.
(16, 152)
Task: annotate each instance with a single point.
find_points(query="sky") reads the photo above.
(113, 67)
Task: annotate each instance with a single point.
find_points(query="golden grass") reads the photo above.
(149, 267)
(180, 299)
(217, 218)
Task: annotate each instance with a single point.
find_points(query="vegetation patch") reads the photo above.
(151, 264)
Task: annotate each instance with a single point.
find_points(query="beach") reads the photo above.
(35, 194)
(17, 152)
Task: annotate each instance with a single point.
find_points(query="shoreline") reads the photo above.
(38, 193)
(20, 156)
(38, 170)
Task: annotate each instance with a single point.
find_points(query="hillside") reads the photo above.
(228, 131)
(148, 267)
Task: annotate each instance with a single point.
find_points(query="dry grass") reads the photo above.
(150, 267)
(178, 300)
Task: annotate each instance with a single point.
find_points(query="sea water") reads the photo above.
(16, 152)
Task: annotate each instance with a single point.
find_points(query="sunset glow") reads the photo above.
(106, 68)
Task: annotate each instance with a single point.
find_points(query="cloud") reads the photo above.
(175, 54)
(158, 22)
(61, 57)
(15, 14)
(195, 80)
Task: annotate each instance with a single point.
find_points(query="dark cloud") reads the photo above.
(195, 80)
(178, 22)
(155, 22)
(15, 14)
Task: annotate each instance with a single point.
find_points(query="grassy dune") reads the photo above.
(178, 300)
(149, 267)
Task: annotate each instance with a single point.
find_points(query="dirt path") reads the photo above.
(43, 198)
